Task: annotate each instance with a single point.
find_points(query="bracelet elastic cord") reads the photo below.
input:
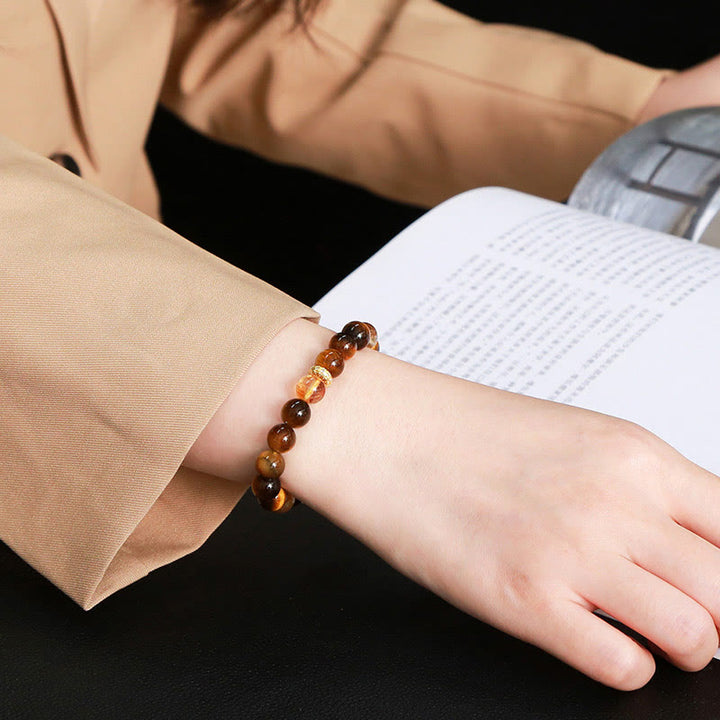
(295, 413)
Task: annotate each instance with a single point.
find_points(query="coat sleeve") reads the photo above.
(118, 342)
(405, 97)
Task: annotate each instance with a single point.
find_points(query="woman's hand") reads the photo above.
(698, 86)
(527, 514)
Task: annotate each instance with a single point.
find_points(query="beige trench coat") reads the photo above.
(119, 339)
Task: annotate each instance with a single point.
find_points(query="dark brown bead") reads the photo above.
(273, 503)
(281, 437)
(358, 332)
(296, 413)
(344, 344)
(331, 360)
(281, 503)
(265, 489)
(270, 464)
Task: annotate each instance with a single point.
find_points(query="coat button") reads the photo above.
(66, 161)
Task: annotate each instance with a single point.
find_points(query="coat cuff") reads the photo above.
(119, 341)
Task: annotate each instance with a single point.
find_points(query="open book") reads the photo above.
(532, 296)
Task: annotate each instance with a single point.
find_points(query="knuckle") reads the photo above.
(623, 668)
(694, 639)
(637, 446)
(635, 449)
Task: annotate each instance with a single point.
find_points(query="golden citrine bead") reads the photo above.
(331, 360)
(310, 388)
(270, 464)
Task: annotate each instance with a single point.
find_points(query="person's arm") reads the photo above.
(118, 342)
(408, 98)
(525, 513)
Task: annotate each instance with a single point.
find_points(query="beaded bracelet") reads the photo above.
(295, 413)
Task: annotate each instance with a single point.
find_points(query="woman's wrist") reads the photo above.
(230, 442)
(374, 430)
(356, 429)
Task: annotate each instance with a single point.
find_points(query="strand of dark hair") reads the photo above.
(303, 8)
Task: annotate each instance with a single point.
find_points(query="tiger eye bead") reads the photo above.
(331, 360)
(266, 489)
(344, 344)
(281, 437)
(358, 332)
(296, 413)
(281, 503)
(288, 502)
(310, 388)
(373, 343)
(270, 464)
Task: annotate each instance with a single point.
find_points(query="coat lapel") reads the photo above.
(74, 19)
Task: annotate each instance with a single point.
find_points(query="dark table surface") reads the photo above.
(290, 617)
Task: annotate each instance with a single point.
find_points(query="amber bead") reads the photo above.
(266, 489)
(281, 437)
(310, 388)
(331, 360)
(373, 343)
(270, 464)
(358, 332)
(296, 413)
(344, 344)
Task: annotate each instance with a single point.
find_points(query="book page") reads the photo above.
(532, 296)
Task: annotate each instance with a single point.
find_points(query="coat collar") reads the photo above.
(74, 19)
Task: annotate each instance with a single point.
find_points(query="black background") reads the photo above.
(289, 617)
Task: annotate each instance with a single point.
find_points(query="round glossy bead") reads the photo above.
(358, 332)
(266, 489)
(344, 344)
(270, 464)
(282, 502)
(281, 437)
(287, 503)
(310, 388)
(322, 374)
(296, 413)
(331, 360)
(373, 343)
